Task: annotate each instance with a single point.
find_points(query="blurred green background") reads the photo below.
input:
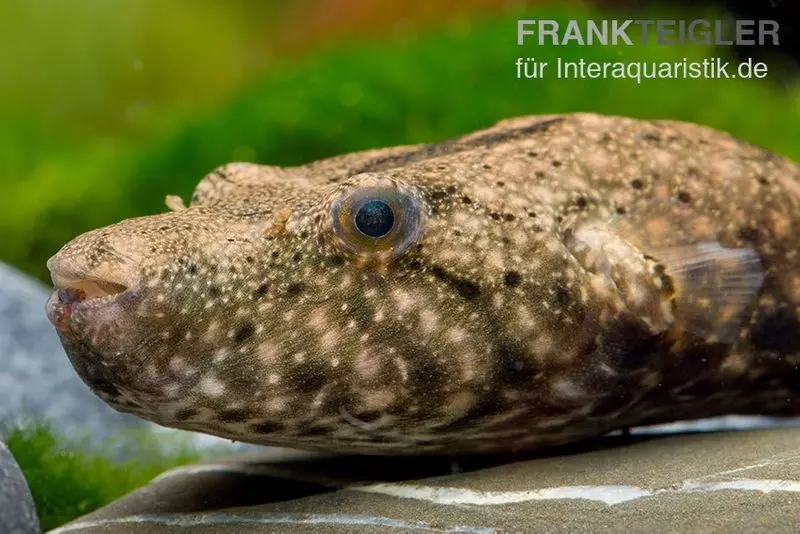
(107, 106)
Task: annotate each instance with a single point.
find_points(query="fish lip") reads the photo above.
(64, 302)
(94, 283)
(77, 291)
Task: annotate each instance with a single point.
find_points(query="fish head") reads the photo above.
(275, 303)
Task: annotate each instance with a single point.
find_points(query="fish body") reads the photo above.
(548, 279)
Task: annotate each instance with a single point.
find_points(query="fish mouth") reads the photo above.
(75, 293)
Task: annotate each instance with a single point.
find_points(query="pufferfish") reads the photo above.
(542, 281)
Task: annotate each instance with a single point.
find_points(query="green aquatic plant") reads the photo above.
(69, 479)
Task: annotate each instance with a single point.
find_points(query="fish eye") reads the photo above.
(378, 222)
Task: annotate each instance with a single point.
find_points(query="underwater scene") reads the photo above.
(348, 265)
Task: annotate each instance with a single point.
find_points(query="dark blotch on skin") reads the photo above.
(334, 260)
(261, 290)
(563, 298)
(104, 386)
(512, 278)
(294, 289)
(415, 264)
(214, 291)
(749, 235)
(637, 183)
(580, 202)
(513, 367)
(628, 347)
(427, 377)
(235, 415)
(699, 366)
(465, 288)
(95, 375)
(684, 197)
(370, 417)
(316, 430)
(267, 427)
(777, 332)
(493, 138)
(651, 137)
(244, 332)
(309, 377)
(466, 200)
(185, 413)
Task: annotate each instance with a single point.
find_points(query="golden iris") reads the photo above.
(379, 221)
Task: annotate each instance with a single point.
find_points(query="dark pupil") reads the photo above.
(375, 218)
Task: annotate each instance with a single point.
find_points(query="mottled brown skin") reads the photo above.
(247, 316)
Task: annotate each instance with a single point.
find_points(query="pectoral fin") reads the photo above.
(714, 287)
(702, 288)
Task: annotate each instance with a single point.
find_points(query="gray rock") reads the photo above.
(743, 481)
(38, 383)
(36, 379)
(17, 512)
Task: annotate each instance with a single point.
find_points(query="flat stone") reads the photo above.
(740, 481)
(17, 512)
